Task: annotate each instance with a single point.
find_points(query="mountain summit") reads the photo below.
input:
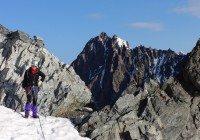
(141, 93)
(108, 65)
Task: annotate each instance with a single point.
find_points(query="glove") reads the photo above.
(39, 83)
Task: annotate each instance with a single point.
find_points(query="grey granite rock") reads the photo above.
(62, 91)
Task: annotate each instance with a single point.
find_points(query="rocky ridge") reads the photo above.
(153, 111)
(59, 96)
(108, 65)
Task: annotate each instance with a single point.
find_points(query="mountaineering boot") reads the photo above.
(35, 109)
(35, 117)
(27, 110)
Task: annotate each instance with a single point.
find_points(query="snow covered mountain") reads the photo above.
(108, 65)
(14, 127)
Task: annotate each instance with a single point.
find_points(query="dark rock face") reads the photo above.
(100, 65)
(108, 65)
(192, 68)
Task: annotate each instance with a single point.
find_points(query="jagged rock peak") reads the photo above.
(119, 42)
(181, 53)
(103, 36)
(114, 63)
(39, 41)
(19, 35)
(192, 68)
(198, 42)
(4, 30)
(115, 40)
(37, 37)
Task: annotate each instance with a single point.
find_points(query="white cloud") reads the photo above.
(193, 8)
(96, 16)
(148, 25)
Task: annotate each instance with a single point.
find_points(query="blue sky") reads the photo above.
(66, 25)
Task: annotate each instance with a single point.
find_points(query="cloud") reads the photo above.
(96, 16)
(148, 25)
(192, 7)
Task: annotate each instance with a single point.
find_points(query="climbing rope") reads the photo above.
(42, 105)
(34, 94)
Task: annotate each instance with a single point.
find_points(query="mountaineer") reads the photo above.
(31, 84)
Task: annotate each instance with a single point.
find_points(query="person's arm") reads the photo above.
(42, 76)
(24, 82)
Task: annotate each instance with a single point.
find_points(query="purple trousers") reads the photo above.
(32, 94)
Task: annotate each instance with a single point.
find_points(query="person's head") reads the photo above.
(34, 64)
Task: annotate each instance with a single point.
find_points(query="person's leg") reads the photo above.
(28, 103)
(34, 108)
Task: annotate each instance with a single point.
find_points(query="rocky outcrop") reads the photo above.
(192, 69)
(108, 65)
(166, 113)
(160, 100)
(59, 96)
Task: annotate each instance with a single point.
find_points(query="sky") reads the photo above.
(14, 127)
(66, 26)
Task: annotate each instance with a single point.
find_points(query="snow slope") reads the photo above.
(14, 127)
